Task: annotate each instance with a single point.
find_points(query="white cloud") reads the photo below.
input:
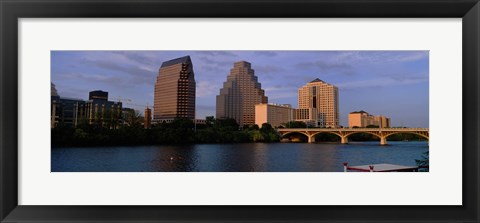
(206, 88)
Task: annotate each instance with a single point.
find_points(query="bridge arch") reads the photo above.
(287, 133)
(368, 132)
(334, 133)
(414, 133)
(345, 133)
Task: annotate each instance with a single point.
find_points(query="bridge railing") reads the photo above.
(351, 129)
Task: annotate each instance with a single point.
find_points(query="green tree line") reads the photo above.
(179, 131)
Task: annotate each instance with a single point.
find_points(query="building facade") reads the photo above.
(382, 121)
(73, 112)
(306, 115)
(99, 110)
(128, 116)
(363, 119)
(66, 111)
(147, 122)
(98, 94)
(174, 95)
(239, 95)
(273, 114)
(323, 99)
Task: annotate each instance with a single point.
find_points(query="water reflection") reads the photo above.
(260, 157)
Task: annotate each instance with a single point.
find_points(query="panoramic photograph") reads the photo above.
(239, 111)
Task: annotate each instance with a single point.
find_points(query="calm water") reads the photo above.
(262, 157)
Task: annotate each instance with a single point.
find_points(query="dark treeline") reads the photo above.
(184, 131)
(179, 131)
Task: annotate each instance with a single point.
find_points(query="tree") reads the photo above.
(266, 127)
(424, 161)
(98, 119)
(210, 121)
(226, 124)
(254, 127)
(256, 136)
(296, 124)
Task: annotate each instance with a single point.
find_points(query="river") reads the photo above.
(259, 157)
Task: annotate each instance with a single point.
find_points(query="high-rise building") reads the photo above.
(175, 90)
(239, 95)
(364, 119)
(98, 94)
(323, 97)
(273, 114)
(148, 118)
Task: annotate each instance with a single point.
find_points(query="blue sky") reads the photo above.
(391, 83)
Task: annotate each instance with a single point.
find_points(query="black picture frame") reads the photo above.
(12, 10)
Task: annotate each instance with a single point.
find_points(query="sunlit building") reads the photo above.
(175, 90)
(321, 99)
(239, 95)
(364, 119)
(306, 115)
(382, 121)
(273, 114)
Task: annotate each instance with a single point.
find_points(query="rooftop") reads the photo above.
(242, 63)
(358, 112)
(317, 80)
(180, 60)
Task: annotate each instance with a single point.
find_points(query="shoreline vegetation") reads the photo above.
(184, 131)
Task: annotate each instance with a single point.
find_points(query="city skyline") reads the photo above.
(390, 83)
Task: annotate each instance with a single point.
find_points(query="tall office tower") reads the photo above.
(175, 90)
(324, 98)
(239, 95)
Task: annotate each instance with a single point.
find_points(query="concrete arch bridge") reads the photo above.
(344, 133)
